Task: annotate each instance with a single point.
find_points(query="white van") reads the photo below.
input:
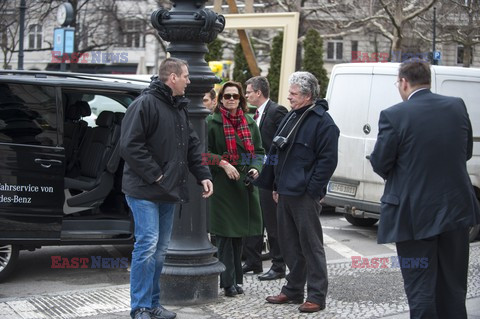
(356, 94)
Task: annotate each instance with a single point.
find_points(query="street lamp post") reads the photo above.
(190, 273)
(23, 7)
(434, 60)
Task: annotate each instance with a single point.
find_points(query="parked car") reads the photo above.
(60, 177)
(357, 93)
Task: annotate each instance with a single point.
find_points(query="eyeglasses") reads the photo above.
(235, 96)
(397, 83)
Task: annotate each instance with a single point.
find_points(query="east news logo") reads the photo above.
(86, 262)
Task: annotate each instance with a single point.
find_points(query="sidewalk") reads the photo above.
(353, 293)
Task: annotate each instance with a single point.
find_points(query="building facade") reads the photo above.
(116, 37)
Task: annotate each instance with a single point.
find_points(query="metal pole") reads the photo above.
(190, 273)
(434, 61)
(23, 7)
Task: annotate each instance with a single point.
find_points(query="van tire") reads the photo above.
(363, 222)
(8, 259)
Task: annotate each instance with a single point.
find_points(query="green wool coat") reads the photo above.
(234, 210)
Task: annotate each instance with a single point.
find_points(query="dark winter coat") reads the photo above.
(310, 158)
(157, 139)
(234, 209)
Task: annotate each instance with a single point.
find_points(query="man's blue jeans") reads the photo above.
(153, 229)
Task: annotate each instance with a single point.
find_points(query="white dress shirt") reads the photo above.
(260, 112)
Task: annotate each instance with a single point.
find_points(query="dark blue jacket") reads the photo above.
(309, 160)
(422, 148)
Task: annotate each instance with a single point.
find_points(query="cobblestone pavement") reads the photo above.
(353, 293)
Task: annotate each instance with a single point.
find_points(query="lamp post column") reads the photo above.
(190, 273)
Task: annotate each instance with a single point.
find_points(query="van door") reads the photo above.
(468, 88)
(383, 94)
(31, 163)
(348, 98)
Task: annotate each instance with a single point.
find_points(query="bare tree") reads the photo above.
(460, 23)
(10, 28)
(399, 13)
(391, 19)
(99, 24)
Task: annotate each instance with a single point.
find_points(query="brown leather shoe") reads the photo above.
(282, 298)
(309, 306)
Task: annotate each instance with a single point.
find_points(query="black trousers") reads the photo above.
(230, 254)
(301, 243)
(252, 246)
(439, 289)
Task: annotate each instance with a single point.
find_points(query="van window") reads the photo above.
(98, 104)
(470, 93)
(28, 115)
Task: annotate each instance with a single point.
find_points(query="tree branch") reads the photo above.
(420, 11)
(389, 13)
(384, 31)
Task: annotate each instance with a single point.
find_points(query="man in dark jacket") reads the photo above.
(268, 117)
(307, 146)
(422, 148)
(159, 147)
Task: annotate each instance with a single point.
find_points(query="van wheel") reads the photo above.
(8, 259)
(364, 222)
(473, 232)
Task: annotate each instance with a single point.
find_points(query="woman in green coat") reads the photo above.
(235, 154)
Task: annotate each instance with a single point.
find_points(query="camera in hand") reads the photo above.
(248, 180)
(280, 142)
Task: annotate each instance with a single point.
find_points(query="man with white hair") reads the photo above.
(306, 144)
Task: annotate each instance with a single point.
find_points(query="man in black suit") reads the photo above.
(268, 116)
(429, 203)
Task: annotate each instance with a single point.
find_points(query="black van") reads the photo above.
(60, 170)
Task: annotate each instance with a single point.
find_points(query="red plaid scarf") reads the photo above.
(236, 123)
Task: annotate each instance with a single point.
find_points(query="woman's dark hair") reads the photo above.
(242, 102)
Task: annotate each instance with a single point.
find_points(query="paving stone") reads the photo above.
(353, 293)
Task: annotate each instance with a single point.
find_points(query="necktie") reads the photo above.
(255, 117)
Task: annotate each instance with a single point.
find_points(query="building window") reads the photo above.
(354, 50)
(460, 55)
(335, 50)
(133, 34)
(35, 36)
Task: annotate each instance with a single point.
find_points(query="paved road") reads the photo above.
(38, 291)
(35, 276)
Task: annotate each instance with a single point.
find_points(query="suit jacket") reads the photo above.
(422, 148)
(271, 117)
